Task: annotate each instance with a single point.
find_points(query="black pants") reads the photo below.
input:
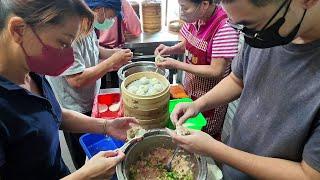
(77, 154)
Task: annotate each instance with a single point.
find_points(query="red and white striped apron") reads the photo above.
(199, 52)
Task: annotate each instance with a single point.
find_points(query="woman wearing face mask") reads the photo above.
(76, 88)
(114, 37)
(210, 45)
(35, 40)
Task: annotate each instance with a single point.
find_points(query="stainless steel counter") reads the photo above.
(154, 39)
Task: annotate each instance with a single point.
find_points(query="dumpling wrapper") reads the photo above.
(133, 89)
(102, 108)
(158, 87)
(154, 81)
(135, 132)
(115, 107)
(182, 131)
(159, 59)
(144, 80)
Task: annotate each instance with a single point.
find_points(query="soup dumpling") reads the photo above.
(133, 89)
(144, 88)
(154, 81)
(140, 92)
(158, 87)
(152, 91)
(144, 80)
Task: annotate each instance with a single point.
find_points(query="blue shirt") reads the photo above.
(29, 139)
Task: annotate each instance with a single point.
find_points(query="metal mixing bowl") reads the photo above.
(154, 139)
(140, 66)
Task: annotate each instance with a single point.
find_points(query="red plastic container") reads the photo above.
(105, 99)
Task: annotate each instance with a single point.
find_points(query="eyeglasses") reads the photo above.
(250, 33)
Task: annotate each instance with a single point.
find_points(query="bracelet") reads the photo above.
(105, 127)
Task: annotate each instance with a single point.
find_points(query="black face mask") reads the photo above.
(270, 37)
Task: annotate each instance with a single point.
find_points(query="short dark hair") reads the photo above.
(44, 12)
(258, 3)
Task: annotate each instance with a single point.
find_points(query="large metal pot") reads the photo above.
(140, 66)
(154, 139)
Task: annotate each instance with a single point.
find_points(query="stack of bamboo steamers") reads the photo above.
(151, 111)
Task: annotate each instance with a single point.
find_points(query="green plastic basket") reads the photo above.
(196, 123)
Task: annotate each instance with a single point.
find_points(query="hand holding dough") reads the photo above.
(159, 59)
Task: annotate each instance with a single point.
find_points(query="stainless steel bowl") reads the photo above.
(154, 139)
(140, 66)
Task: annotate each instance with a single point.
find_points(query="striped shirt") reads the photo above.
(213, 38)
(225, 43)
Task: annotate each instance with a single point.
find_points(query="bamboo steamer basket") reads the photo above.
(143, 115)
(151, 111)
(151, 15)
(157, 121)
(155, 126)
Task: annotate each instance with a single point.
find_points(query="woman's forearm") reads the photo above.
(215, 70)
(179, 48)
(80, 123)
(229, 89)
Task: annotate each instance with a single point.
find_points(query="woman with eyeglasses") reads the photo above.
(35, 40)
(210, 45)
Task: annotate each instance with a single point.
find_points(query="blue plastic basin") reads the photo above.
(94, 143)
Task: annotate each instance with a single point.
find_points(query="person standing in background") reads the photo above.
(114, 37)
(210, 44)
(77, 87)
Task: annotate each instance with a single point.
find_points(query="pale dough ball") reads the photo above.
(154, 81)
(140, 92)
(151, 92)
(144, 88)
(144, 80)
(133, 89)
(158, 87)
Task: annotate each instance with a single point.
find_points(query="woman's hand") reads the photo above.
(163, 50)
(118, 127)
(197, 142)
(121, 57)
(169, 63)
(183, 111)
(102, 165)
